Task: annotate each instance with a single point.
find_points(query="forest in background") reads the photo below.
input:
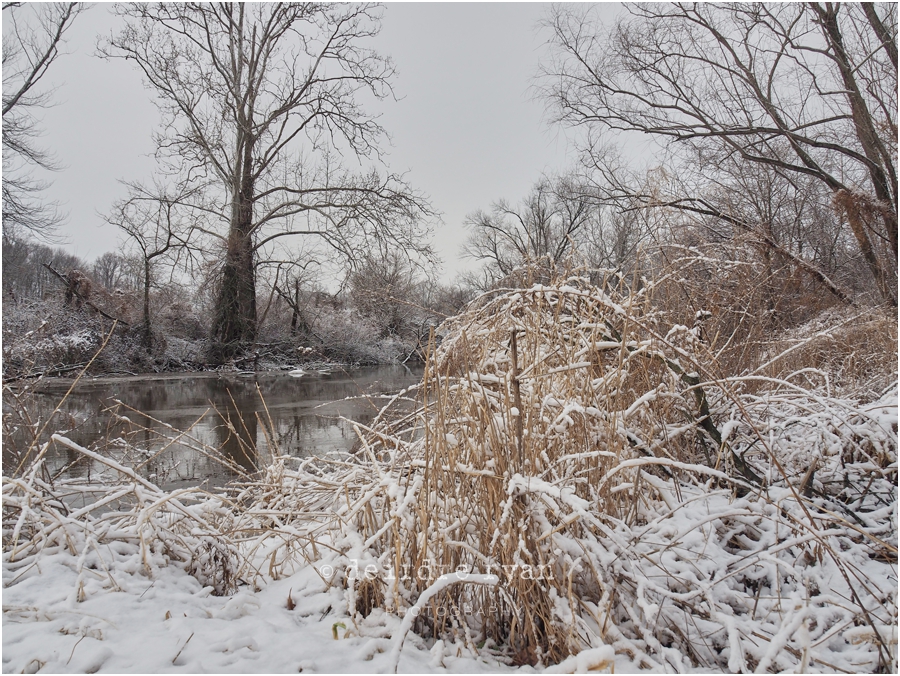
(773, 187)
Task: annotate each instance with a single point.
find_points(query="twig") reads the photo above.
(178, 654)
(72, 654)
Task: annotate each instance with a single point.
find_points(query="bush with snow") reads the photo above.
(613, 493)
(625, 492)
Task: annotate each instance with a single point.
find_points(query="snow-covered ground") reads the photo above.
(170, 623)
(122, 621)
(96, 599)
(773, 550)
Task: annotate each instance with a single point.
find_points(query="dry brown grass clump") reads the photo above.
(531, 401)
(852, 352)
(573, 446)
(576, 473)
(747, 301)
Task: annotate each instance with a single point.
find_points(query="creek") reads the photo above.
(243, 417)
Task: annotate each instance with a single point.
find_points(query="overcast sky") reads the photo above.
(466, 128)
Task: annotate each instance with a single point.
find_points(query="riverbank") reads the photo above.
(68, 341)
(66, 617)
(225, 370)
(579, 482)
(177, 368)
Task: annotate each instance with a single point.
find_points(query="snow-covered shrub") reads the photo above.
(624, 492)
(345, 336)
(40, 335)
(48, 336)
(537, 396)
(575, 472)
(182, 351)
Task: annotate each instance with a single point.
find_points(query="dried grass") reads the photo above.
(624, 488)
(563, 443)
(851, 352)
(187, 525)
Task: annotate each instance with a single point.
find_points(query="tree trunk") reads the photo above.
(887, 39)
(848, 203)
(295, 315)
(880, 167)
(147, 335)
(234, 325)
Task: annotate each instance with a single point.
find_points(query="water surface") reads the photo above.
(245, 417)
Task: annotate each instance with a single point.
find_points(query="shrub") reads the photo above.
(622, 490)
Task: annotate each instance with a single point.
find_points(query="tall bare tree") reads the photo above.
(110, 270)
(801, 90)
(261, 101)
(32, 37)
(563, 220)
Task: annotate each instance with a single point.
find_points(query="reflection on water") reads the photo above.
(247, 417)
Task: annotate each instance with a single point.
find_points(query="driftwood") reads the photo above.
(51, 372)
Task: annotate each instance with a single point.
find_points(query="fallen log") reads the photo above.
(71, 288)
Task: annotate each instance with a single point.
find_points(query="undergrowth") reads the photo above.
(578, 471)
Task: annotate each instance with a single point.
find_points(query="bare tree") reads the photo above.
(290, 284)
(154, 225)
(563, 221)
(109, 270)
(32, 37)
(256, 98)
(545, 228)
(25, 275)
(386, 288)
(613, 237)
(801, 90)
(446, 300)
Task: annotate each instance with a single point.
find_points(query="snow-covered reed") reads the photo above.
(156, 527)
(627, 494)
(625, 491)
